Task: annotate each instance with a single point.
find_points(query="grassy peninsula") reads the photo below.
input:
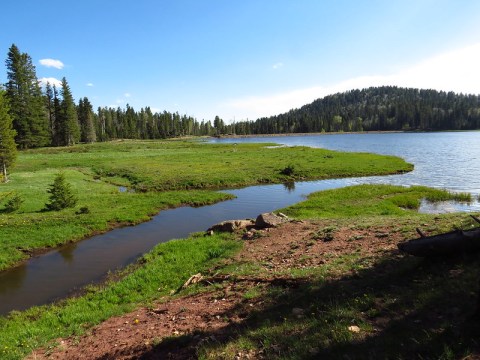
(125, 182)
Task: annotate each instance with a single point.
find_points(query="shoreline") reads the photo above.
(238, 136)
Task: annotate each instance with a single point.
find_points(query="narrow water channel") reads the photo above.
(446, 160)
(61, 272)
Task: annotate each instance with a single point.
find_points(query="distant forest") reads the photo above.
(50, 117)
(383, 108)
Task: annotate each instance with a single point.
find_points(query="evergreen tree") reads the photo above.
(68, 123)
(57, 136)
(49, 104)
(85, 118)
(26, 101)
(8, 148)
(61, 194)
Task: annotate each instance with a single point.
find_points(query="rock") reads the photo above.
(231, 225)
(268, 220)
(354, 329)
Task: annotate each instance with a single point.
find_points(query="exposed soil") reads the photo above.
(215, 313)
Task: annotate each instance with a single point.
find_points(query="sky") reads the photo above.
(243, 59)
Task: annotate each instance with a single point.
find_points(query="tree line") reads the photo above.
(383, 108)
(32, 116)
(49, 116)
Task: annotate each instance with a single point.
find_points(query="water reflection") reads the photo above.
(67, 252)
(12, 280)
(289, 186)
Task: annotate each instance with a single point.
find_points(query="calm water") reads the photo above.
(449, 160)
(445, 160)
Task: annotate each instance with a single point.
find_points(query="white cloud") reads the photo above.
(127, 95)
(57, 64)
(277, 66)
(51, 80)
(456, 71)
(90, 84)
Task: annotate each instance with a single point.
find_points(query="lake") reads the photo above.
(444, 160)
(447, 160)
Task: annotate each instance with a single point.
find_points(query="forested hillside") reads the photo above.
(374, 109)
(47, 116)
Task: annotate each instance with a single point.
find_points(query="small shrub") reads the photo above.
(83, 210)
(13, 204)
(289, 170)
(61, 195)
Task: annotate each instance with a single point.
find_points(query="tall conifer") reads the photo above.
(68, 123)
(8, 148)
(26, 101)
(85, 118)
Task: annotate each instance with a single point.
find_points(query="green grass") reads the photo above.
(162, 270)
(367, 201)
(404, 307)
(173, 165)
(30, 228)
(427, 303)
(162, 174)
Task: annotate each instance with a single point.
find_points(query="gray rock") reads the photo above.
(268, 220)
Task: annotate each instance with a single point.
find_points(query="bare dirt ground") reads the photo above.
(213, 314)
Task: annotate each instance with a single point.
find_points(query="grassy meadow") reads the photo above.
(156, 175)
(427, 303)
(351, 289)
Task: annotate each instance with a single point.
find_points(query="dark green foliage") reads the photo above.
(8, 148)
(61, 195)
(67, 129)
(373, 109)
(27, 107)
(289, 170)
(13, 204)
(85, 118)
(83, 210)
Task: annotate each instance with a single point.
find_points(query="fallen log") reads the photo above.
(451, 243)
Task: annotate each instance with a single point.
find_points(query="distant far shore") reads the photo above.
(234, 136)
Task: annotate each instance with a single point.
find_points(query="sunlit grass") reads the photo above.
(154, 175)
(164, 269)
(368, 200)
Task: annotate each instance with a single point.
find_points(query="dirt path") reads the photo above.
(214, 314)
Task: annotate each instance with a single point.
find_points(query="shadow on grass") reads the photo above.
(404, 308)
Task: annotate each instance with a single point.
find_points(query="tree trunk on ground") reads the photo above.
(447, 244)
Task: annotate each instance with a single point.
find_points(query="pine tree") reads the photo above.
(26, 101)
(85, 118)
(8, 148)
(68, 129)
(61, 194)
(50, 106)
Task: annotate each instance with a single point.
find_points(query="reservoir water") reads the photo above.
(444, 160)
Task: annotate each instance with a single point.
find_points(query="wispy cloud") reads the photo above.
(277, 65)
(57, 64)
(51, 80)
(127, 95)
(90, 84)
(456, 71)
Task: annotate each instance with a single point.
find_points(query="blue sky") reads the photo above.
(244, 59)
